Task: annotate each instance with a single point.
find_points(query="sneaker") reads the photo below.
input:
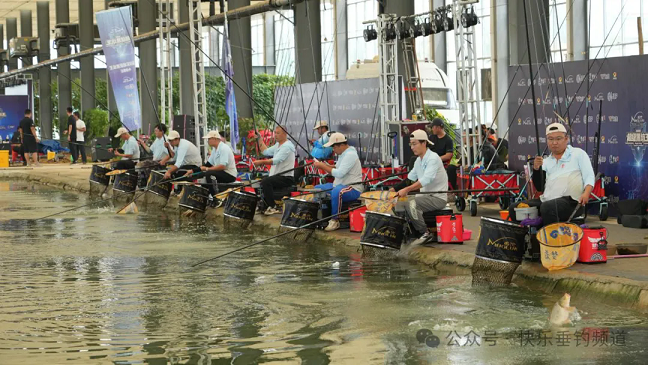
(423, 239)
(271, 211)
(332, 225)
(216, 203)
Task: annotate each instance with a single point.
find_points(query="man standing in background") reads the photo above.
(72, 136)
(29, 139)
(80, 128)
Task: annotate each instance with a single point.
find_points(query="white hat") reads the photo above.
(321, 123)
(173, 135)
(335, 138)
(212, 134)
(555, 127)
(121, 131)
(421, 135)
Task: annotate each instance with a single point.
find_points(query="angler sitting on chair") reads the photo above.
(160, 147)
(220, 167)
(130, 150)
(566, 177)
(427, 175)
(347, 170)
(186, 155)
(319, 151)
(283, 159)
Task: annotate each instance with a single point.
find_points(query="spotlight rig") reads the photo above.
(370, 34)
(469, 18)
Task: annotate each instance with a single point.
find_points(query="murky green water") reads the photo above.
(94, 287)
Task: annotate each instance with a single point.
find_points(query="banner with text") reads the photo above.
(12, 110)
(116, 32)
(621, 84)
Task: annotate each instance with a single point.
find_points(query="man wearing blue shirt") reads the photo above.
(566, 178)
(130, 149)
(428, 175)
(347, 172)
(319, 151)
(186, 155)
(160, 147)
(282, 171)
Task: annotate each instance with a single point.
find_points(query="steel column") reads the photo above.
(186, 86)
(241, 47)
(12, 32)
(44, 73)
(308, 42)
(63, 69)
(146, 14)
(26, 31)
(86, 39)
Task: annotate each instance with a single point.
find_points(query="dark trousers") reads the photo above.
(214, 178)
(123, 164)
(182, 170)
(79, 148)
(73, 151)
(552, 211)
(274, 182)
(451, 170)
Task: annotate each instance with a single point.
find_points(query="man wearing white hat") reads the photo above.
(282, 163)
(565, 177)
(319, 151)
(347, 170)
(130, 150)
(186, 154)
(428, 175)
(220, 166)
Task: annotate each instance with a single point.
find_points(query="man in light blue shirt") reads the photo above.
(186, 154)
(319, 151)
(159, 148)
(428, 175)
(282, 171)
(130, 150)
(566, 178)
(347, 172)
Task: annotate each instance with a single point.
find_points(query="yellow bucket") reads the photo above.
(559, 245)
(51, 155)
(4, 158)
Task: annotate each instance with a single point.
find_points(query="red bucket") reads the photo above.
(249, 189)
(593, 246)
(356, 219)
(450, 228)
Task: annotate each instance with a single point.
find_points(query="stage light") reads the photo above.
(448, 22)
(370, 34)
(469, 18)
(389, 33)
(415, 29)
(437, 23)
(403, 29)
(425, 28)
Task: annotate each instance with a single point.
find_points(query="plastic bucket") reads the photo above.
(504, 214)
(357, 219)
(450, 228)
(526, 213)
(4, 158)
(593, 248)
(559, 245)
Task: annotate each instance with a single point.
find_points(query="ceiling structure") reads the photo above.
(12, 8)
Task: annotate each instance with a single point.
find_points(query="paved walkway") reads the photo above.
(624, 280)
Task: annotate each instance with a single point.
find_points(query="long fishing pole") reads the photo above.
(277, 236)
(355, 183)
(535, 112)
(163, 181)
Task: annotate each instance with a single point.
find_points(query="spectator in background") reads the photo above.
(80, 129)
(443, 146)
(71, 136)
(500, 144)
(28, 137)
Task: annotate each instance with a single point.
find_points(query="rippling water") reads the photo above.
(91, 286)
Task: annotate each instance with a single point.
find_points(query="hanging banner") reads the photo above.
(620, 83)
(116, 33)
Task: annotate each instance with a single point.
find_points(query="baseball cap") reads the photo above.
(121, 131)
(437, 122)
(173, 135)
(420, 135)
(335, 138)
(212, 134)
(321, 123)
(556, 127)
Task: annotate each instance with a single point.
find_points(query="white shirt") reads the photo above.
(187, 154)
(158, 149)
(348, 169)
(79, 135)
(131, 147)
(429, 171)
(223, 155)
(567, 176)
(283, 158)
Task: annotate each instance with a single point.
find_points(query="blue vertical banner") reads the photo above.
(230, 99)
(116, 33)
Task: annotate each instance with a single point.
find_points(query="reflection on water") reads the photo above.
(96, 287)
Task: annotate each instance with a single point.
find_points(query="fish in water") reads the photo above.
(561, 313)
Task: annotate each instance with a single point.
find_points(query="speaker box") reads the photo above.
(99, 149)
(185, 125)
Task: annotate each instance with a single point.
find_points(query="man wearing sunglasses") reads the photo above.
(565, 177)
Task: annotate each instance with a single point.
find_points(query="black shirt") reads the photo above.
(442, 145)
(72, 122)
(502, 147)
(25, 125)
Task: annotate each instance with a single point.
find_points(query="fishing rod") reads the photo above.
(103, 200)
(535, 112)
(250, 182)
(231, 79)
(355, 183)
(292, 230)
